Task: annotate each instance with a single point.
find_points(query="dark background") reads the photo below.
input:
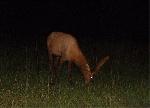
(24, 23)
(117, 28)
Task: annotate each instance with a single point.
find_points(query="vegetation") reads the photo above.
(122, 82)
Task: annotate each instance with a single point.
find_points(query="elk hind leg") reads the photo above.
(56, 67)
(69, 72)
(51, 66)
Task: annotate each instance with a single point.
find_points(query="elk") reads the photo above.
(64, 47)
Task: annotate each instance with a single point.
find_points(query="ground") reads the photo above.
(122, 82)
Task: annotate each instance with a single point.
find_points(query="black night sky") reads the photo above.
(25, 22)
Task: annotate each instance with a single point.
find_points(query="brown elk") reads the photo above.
(64, 47)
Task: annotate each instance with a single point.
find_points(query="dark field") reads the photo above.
(121, 82)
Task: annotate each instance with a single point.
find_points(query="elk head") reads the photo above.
(89, 74)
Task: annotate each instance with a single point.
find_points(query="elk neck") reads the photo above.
(82, 63)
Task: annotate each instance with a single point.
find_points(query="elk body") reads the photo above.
(64, 47)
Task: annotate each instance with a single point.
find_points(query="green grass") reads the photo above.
(123, 81)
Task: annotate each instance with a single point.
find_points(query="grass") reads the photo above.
(123, 81)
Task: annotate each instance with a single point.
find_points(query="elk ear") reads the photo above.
(100, 64)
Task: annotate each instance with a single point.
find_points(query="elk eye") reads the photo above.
(91, 77)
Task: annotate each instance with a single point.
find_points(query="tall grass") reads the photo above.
(122, 82)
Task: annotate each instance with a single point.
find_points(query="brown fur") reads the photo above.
(66, 47)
